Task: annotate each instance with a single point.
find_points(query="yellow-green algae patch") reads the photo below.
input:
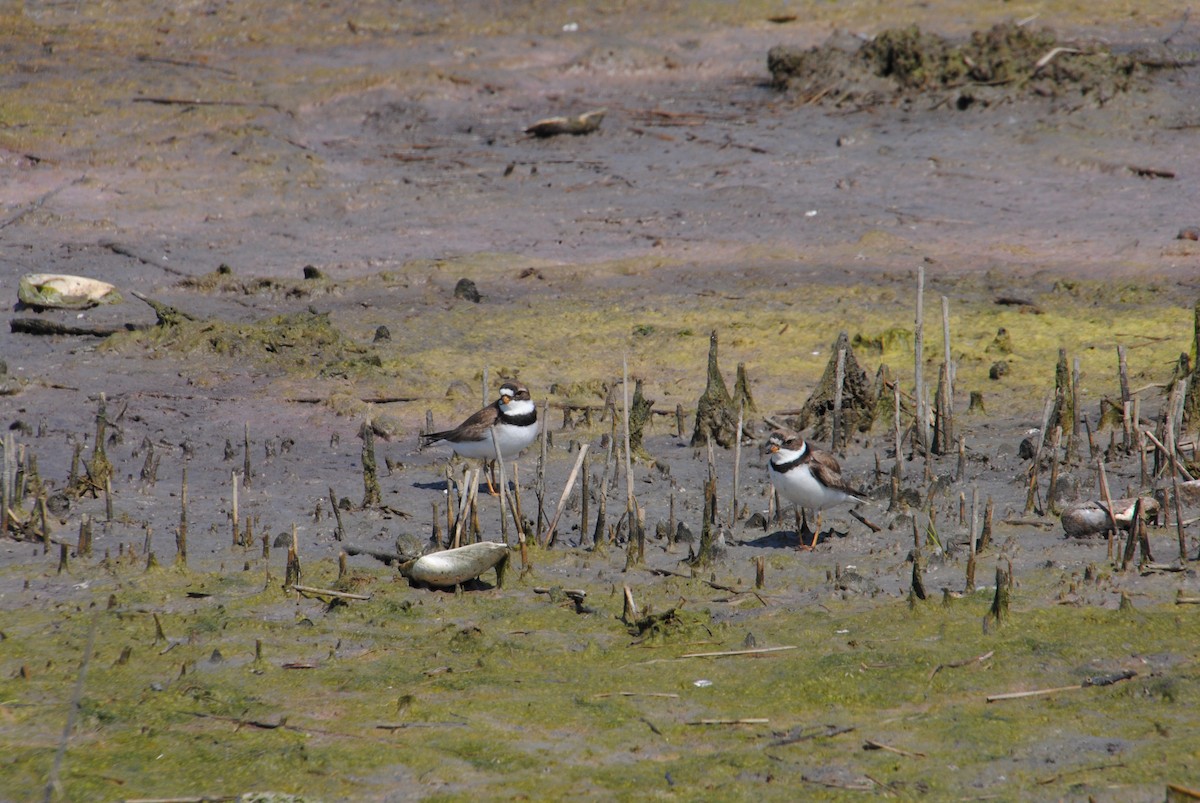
(495, 690)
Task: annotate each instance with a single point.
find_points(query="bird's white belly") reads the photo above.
(800, 487)
(511, 439)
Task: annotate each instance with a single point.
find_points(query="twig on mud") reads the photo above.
(160, 101)
(636, 694)
(978, 659)
(742, 721)
(815, 732)
(325, 592)
(1052, 778)
(755, 651)
(1101, 680)
(871, 744)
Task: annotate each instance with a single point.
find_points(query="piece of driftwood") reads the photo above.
(1084, 519)
(39, 326)
(577, 124)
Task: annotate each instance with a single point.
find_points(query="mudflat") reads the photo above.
(289, 199)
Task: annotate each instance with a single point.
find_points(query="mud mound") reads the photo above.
(1005, 63)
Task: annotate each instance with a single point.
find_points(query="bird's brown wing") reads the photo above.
(471, 429)
(826, 468)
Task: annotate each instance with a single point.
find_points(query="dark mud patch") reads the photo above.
(1004, 63)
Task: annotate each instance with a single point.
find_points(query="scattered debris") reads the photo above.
(1002, 64)
(578, 124)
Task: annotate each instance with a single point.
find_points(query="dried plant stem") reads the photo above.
(503, 483)
(948, 418)
(922, 424)
(548, 536)
(839, 382)
(339, 534)
(737, 463)
(182, 533)
(246, 473)
(233, 512)
(1112, 519)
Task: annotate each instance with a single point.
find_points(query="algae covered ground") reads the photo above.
(504, 693)
(288, 197)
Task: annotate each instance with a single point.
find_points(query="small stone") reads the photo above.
(998, 369)
(382, 335)
(467, 290)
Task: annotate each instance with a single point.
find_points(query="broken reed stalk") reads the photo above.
(941, 445)
(921, 432)
(629, 614)
(948, 417)
(1107, 497)
(584, 500)
(1123, 375)
(547, 537)
(246, 473)
(182, 533)
(1183, 558)
(985, 535)
(630, 504)
(1052, 488)
(503, 482)
(84, 548)
(539, 484)
(1172, 458)
(839, 382)
(917, 590)
(1139, 444)
(436, 536)
(292, 571)
(737, 463)
(602, 503)
(108, 500)
(1000, 603)
(974, 531)
(1131, 540)
(371, 495)
(518, 517)
(1033, 491)
(339, 534)
(898, 468)
(233, 512)
(464, 503)
(1073, 438)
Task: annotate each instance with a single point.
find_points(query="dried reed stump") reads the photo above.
(716, 412)
(858, 397)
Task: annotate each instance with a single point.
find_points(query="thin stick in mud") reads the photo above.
(182, 533)
(246, 472)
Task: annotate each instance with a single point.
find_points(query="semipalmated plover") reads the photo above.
(807, 477)
(513, 418)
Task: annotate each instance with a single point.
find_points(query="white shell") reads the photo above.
(1091, 518)
(453, 566)
(65, 290)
